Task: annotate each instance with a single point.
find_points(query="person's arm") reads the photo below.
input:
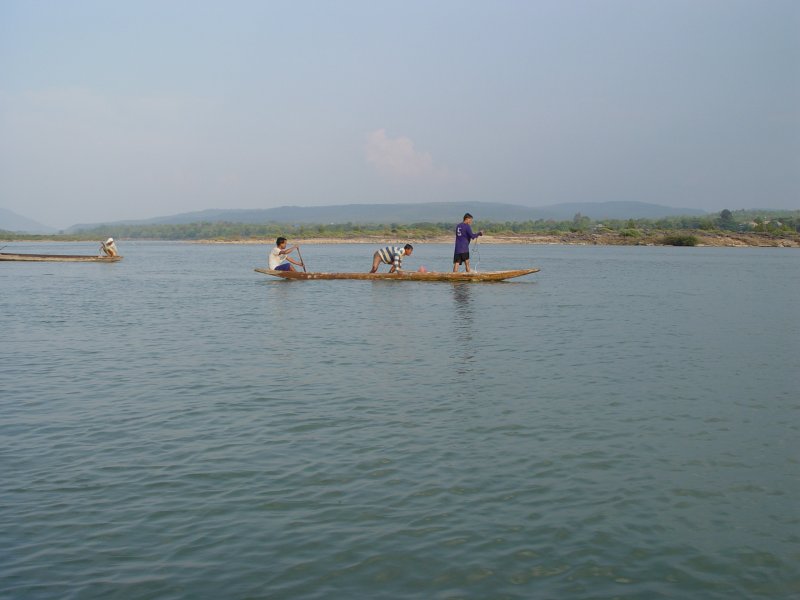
(289, 258)
(397, 263)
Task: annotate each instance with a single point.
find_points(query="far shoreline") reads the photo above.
(704, 239)
(607, 238)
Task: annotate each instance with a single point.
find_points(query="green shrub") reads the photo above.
(630, 233)
(679, 240)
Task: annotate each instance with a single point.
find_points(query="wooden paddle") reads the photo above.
(302, 262)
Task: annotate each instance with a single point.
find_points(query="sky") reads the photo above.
(136, 109)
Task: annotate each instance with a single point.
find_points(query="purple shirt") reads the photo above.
(464, 236)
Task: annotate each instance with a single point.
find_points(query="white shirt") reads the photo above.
(109, 248)
(393, 255)
(276, 258)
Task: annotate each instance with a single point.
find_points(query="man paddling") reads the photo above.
(108, 248)
(391, 255)
(279, 259)
(464, 236)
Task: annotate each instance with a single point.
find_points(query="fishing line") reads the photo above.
(477, 254)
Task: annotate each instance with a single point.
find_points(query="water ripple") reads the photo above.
(596, 432)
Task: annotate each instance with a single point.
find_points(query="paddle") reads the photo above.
(302, 262)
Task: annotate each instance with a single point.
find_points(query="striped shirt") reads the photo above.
(392, 255)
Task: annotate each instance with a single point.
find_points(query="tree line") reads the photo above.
(767, 222)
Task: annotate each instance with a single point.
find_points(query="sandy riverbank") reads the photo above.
(585, 239)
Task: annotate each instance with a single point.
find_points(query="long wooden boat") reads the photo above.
(58, 257)
(405, 275)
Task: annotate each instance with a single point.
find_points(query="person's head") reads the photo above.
(467, 218)
(408, 249)
(280, 242)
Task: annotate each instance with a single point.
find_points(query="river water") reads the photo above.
(623, 424)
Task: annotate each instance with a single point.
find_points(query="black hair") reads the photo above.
(408, 247)
(467, 216)
(279, 241)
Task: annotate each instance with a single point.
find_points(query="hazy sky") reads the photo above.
(139, 108)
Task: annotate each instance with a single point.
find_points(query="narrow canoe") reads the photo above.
(58, 257)
(405, 275)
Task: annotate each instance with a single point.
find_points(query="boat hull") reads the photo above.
(405, 275)
(58, 257)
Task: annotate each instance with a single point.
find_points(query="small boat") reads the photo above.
(58, 257)
(405, 275)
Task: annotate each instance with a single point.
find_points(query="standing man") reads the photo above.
(279, 256)
(464, 236)
(391, 255)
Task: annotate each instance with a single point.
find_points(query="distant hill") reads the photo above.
(619, 210)
(11, 221)
(433, 212)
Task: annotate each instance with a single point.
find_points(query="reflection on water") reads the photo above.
(463, 321)
(461, 294)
